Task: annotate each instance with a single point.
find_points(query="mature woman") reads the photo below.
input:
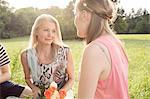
(47, 59)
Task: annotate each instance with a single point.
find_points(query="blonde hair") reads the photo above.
(102, 11)
(45, 17)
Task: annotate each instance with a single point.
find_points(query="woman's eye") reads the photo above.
(53, 31)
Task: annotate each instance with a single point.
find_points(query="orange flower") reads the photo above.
(48, 93)
(62, 93)
(52, 90)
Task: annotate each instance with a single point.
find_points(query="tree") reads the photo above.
(120, 25)
(5, 13)
(143, 22)
(139, 22)
(21, 22)
(68, 27)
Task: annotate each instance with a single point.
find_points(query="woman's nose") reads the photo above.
(50, 33)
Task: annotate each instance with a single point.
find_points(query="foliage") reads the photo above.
(139, 22)
(135, 22)
(68, 27)
(120, 25)
(19, 22)
(5, 14)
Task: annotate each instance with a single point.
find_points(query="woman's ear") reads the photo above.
(36, 34)
(85, 16)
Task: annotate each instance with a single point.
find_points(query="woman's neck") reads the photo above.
(44, 51)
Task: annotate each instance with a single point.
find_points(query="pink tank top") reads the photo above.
(116, 85)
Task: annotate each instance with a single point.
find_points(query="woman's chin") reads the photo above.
(81, 35)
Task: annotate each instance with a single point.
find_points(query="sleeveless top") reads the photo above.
(115, 86)
(43, 74)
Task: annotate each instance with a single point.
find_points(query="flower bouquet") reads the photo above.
(52, 93)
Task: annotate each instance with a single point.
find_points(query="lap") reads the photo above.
(10, 89)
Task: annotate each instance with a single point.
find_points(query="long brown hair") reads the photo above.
(102, 12)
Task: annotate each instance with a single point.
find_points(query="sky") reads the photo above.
(38, 3)
(136, 4)
(126, 4)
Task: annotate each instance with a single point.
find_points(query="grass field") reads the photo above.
(137, 47)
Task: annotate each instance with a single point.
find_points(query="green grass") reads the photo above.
(137, 47)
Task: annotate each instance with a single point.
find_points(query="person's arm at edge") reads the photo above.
(93, 64)
(5, 73)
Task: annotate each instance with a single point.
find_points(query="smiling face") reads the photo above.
(46, 32)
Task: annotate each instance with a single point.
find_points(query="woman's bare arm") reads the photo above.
(70, 71)
(93, 65)
(5, 73)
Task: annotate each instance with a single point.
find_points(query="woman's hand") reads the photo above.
(36, 92)
(58, 76)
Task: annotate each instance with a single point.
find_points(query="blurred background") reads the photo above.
(17, 16)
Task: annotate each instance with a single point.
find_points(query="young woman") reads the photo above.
(104, 68)
(47, 59)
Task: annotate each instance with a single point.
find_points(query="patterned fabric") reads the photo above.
(4, 59)
(44, 74)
